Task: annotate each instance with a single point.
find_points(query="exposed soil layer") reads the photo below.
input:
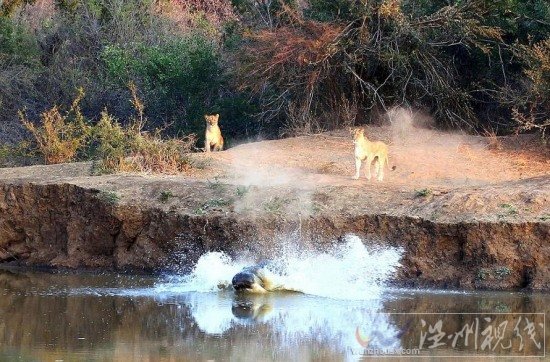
(469, 212)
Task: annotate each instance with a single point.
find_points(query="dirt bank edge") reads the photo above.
(65, 225)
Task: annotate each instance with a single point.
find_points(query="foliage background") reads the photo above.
(277, 67)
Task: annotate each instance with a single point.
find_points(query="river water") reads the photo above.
(340, 308)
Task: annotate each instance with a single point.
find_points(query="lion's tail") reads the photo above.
(388, 164)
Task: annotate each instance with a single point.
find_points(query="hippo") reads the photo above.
(254, 279)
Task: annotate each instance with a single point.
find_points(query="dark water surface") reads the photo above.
(85, 317)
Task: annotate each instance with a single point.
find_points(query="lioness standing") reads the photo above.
(369, 151)
(213, 137)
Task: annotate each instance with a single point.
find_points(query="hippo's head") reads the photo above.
(251, 279)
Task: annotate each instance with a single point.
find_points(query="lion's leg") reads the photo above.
(381, 173)
(207, 145)
(368, 165)
(357, 168)
(377, 166)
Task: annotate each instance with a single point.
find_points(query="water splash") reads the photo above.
(349, 270)
(213, 271)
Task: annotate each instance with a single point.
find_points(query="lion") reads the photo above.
(213, 138)
(370, 151)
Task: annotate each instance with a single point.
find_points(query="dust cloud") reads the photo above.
(286, 176)
(427, 153)
(261, 168)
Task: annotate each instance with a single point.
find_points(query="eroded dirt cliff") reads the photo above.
(488, 228)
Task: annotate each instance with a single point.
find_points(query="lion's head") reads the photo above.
(212, 120)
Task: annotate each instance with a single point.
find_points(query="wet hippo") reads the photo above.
(254, 279)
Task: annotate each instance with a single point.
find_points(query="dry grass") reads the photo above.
(492, 138)
(131, 149)
(16, 155)
(143, 152)
(300, 122)
(60, 136)
(535, 113)
(116, 147)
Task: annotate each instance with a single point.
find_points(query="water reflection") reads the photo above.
(108, 317)
(294, 319)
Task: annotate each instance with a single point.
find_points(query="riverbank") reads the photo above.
(468, 214)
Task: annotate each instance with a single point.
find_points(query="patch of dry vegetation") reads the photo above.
(448, 59)
(59, 136)
(534, 111)
(130, 149)
(115, 147)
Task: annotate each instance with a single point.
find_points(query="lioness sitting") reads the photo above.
(213, 138)
(370, 151)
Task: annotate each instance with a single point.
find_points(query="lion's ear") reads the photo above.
(217, 116)
(206, 117)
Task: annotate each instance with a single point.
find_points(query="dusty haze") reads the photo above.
(422, 157)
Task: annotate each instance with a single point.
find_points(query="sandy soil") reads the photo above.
(437, 176)
(423, 159)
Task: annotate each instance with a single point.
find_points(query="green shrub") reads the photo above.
(109, 143)
(180, 78)
(17, 43)
(19, 73)
(165, 196)
(110, 197)
(422, 193)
